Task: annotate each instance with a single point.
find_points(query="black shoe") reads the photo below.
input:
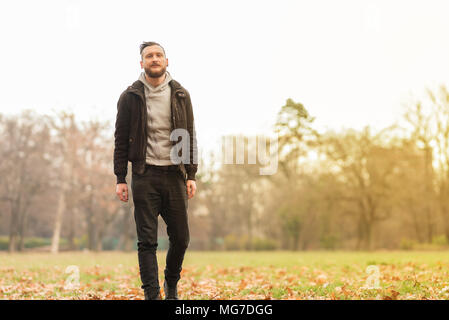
(151, 294)
(171, 292)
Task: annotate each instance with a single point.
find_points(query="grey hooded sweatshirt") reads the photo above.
(159, 125)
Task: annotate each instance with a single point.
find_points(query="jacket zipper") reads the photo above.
(145, 129)
(173, 106)
(145, 117)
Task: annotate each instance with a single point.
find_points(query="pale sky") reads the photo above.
(351, 63)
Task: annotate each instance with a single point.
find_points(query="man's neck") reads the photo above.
(155, 81)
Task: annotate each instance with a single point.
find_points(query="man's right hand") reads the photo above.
(122, 191)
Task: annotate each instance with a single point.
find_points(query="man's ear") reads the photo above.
(141, 64)
(167, 62)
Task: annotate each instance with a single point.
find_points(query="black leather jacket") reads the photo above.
(131, 129)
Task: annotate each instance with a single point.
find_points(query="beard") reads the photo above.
(152, 74)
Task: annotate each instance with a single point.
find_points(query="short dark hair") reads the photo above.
(148, 44)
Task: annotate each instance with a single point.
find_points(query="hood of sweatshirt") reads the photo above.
(163, 86)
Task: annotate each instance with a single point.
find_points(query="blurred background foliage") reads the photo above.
(349, 189)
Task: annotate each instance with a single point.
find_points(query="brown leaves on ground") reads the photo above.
(406, 281)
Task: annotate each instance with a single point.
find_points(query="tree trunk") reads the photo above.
(416, 225)
(360, 235)
(91, 230)
(445, 214)
(12, 241)
(22, 229)
(99, 242)
(15, 209)
(66, 175)
(58, 222)
(71, 235)
(295, 239)
(369, 235)
(428, 192)
(125, 242)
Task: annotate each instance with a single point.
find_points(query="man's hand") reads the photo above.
(191, 188)
(122, 191)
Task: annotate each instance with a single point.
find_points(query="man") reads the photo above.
(148, 112)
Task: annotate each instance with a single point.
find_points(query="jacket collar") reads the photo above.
(139, 88)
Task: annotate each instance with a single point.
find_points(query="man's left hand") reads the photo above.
(191, 188)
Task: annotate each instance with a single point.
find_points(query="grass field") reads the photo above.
(232, 275)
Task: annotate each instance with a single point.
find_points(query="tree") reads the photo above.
(365, 165)
(23, 168)
(296, 134)
(429, 120)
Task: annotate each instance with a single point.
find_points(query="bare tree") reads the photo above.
(365, 164)
(66, 144)
(23, 152)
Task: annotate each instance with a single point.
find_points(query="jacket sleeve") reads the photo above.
(192, 166)
(121, 139)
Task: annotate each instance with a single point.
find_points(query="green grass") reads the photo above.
(233, 275)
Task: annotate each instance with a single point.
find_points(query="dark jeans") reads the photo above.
(158, 191)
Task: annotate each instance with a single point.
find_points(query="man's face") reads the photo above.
(153, 61)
